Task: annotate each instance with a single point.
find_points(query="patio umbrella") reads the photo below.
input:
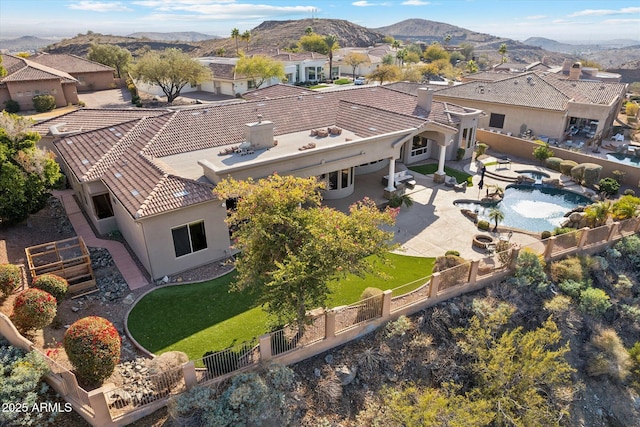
(481, 183)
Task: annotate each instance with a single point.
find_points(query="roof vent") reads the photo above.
(68, 141)
(85, 161)
(180, 193)
(515, 82)
(112, 129)
(135, 192)
(117, 175)
(117, 134)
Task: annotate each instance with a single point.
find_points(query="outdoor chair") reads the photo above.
(450, 181)
(461, 187)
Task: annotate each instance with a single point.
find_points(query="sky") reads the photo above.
(562, 20)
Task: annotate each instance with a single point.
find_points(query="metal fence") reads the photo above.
(454, 276)
(142, 392)
(223, 362)
(566, 241)
(407, 295)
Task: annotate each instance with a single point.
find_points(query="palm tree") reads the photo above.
(447, 39)
(220, 51)
(626, 207)
(331, 41)
(235, 33)
(503, 51)
(598, 213)
(395, 45)
(497, 216)
(401, 55)
(246, 36)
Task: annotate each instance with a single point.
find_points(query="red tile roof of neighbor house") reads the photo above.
(21, 69)
(69, 63)
(276, 91)
(124, 148)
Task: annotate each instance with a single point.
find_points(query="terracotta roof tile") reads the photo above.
(69, 63)
(276, 91)
(21, 69)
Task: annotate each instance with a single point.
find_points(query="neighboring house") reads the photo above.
(150, 173)
(89, 74)
(26, 79)
(572, 70)
(548, 104)
(374, 59)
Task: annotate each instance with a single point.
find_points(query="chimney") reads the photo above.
(260, 134)
(575, 71)
(425, 98)
(566, 65)
(545, 60)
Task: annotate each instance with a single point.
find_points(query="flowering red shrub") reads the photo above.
(55, 285)
(33, 309)
(10, 277)
(93, 347)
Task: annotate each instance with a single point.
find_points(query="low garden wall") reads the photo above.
(523, 148)
(120, 406)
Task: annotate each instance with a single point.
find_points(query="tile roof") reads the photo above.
(223, 71)
(588, 92)
(488, 76)
(276, 91)
(21, 69)
(124, 148)
(69, 63)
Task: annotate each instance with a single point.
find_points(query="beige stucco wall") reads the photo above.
(132, 232)
(70, 94)
(4, 96)
(543, 122)
(23, 92)
(156, 232)
(99, 80)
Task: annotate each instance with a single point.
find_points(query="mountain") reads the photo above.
(189, 36)
(271, 35)
(80, 44)
(485, 45)
(24, 44)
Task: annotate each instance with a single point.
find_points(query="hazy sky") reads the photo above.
(516, 19)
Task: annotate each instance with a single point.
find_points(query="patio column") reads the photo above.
(392, 172)
(443, 152)
(438, 177)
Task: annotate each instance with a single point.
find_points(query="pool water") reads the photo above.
(532, 208)
(623, 158)
(538, 176)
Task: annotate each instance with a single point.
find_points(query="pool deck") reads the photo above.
(434, 225)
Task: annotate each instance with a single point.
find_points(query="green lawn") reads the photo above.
(431, 168)
(207, 317)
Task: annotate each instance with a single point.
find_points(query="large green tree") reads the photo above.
(260, 68)
(354, 59)
(313, 43)
(27, 172)
(170, 69)
(292, 247)
(111, 55)
(386, 73)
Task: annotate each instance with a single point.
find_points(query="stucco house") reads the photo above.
(26, 79)
(547, 103)
(89, 74)
(150, 173)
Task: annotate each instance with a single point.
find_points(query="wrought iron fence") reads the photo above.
(228, 360)
(410, 293)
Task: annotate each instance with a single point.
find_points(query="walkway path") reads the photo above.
(128, 268)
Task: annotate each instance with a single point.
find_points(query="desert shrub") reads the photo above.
(624, 285)
(629, 192)
(566, 166)
(369, 360)
(553, 163)
(634, 353)
(93, 347)
(543, 152)
(558, 304)
(33, 309)
(10, 278)
(460, 154)
(608, 356)
(452, 252)
(545, 234)
(397, 200)
(631, 312)
(166, 370)
(566, 269)
(43, 103)
(483, 225)
(572, 288)
(530, 271)
(631, 109)
(609, 186)
(563, 230)
(577, 173)
(594, 301)
(618, 175)
(11, 106)
(55, 285)
(372, 307)
(21, 383)
(398, 327)
(329, 388)
(481, 148)
(251, 400)
(591, 174)
(629, 247)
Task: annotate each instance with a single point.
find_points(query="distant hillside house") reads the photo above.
(26, 79)
(89, 74)
(151, 173)
(547, 103)
(374, 59)
(572, 70)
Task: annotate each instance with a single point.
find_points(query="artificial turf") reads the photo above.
(207, 316)
(431, 168)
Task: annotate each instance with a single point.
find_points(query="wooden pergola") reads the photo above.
(67, 258)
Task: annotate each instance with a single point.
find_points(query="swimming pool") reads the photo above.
(624, 159)
(532, 208)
